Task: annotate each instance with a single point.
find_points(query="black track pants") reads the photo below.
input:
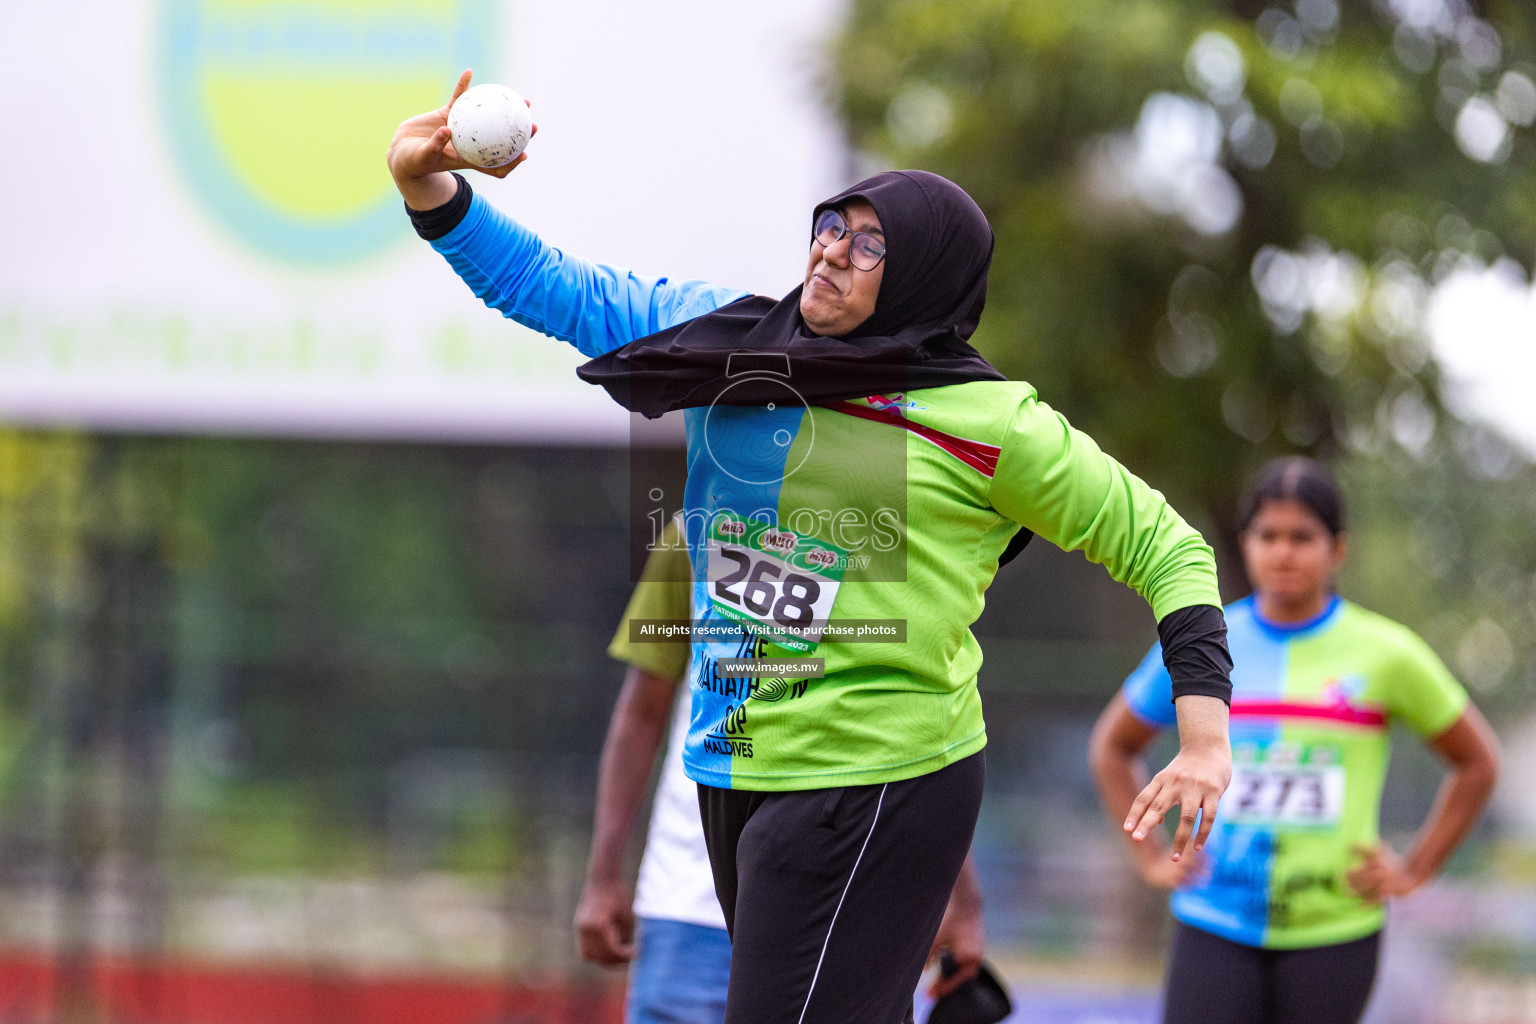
(1214, 981)
(833, 896)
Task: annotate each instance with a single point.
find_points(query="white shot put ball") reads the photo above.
(491, 125)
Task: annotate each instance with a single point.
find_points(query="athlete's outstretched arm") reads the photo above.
(605, 918)
(596, 308)
(1056, 481)
(1471, 750)
(1115, 751)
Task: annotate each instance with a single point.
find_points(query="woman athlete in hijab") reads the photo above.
(856, 474)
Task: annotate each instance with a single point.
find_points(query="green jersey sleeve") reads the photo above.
(664, 592)
(1054, 480)
(1421, 692)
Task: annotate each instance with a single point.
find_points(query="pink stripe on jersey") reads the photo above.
(976, 454)
(1348, 714)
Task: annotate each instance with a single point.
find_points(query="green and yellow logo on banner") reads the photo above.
(279, 111)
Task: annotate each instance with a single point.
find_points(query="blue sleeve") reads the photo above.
(1148, 691)
(594, 307)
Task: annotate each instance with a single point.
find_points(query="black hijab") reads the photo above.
(938, 251)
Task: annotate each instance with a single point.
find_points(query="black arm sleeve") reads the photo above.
(1195, 652)
(435, 223)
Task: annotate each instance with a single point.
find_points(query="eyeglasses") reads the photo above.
(865, 251)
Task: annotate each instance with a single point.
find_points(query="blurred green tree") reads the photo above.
(1218, 224)
(1444, 541)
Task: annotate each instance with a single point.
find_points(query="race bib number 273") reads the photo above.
(1305, 792)
(777, 583)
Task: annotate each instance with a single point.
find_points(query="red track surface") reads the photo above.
(42, 990)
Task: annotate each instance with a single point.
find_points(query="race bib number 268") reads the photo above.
(778, 583)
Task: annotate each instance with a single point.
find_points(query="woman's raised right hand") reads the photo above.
(421, 154)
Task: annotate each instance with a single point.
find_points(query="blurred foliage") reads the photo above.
(1444, 541)
(1218, 224)
(277, 656)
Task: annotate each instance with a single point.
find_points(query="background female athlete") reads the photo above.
(1279, 922)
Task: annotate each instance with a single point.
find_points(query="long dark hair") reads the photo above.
(1295, 479)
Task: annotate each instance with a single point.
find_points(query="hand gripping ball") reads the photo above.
(491, 125)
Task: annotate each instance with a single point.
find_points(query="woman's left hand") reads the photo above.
(1194, 780)
(1382, 875)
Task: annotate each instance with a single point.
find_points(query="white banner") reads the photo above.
(201, 235)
